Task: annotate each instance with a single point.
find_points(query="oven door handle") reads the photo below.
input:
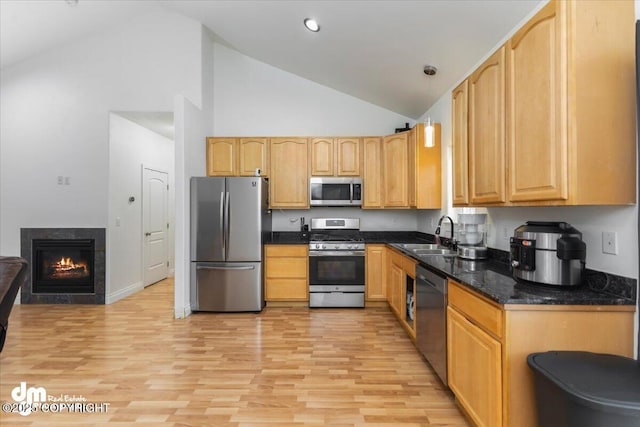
(336, 253)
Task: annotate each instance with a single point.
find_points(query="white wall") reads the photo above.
(55, 118)
(253, 98)
(193, 124)
(130, 147)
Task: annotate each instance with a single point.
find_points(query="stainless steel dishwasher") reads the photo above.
(431, 319)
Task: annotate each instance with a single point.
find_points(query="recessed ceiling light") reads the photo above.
(311, 25)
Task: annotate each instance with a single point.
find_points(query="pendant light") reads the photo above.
(429, 140)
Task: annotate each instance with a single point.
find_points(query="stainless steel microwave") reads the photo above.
(330, 191)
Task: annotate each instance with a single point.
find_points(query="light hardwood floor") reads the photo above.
(283, 367)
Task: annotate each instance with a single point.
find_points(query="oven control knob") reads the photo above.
(323, 247)
(349, 246)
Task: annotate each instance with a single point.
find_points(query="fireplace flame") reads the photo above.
(67, 264)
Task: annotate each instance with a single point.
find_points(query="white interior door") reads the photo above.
(155, 192)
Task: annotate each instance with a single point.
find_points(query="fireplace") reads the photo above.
(67, 265)
(63, 266)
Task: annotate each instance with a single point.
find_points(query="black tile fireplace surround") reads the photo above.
(66, 265)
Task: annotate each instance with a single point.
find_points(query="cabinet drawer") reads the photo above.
(286, 289)
(287, 267)
(286, 250)
(409, 266)
(476, 309)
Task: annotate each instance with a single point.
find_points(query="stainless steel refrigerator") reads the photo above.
(229, 219)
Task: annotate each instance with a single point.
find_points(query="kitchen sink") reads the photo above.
(425, 249)
(439, 251)
(418, 246)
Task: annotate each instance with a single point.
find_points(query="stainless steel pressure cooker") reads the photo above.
(549, 253)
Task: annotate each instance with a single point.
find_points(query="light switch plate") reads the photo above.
(609, 242)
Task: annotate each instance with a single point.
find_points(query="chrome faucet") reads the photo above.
(437, 233)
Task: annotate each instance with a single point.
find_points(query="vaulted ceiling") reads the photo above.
(374, 50)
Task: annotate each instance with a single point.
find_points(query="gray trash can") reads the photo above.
(582, 389)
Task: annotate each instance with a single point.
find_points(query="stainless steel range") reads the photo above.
(336, 263)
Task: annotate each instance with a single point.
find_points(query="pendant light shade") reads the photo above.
(429, 140)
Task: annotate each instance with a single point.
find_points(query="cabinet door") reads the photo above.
(394, 169)
(376, 273)
(348, 156)
(412, 159)
(460, 105)
(396, 283)
(536, 113)
(252, 155)
(487, 174)
(474, 369)
(373, 173)
(322, 156)
(289, 173)
(221, 156)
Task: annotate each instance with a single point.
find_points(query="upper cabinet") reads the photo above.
(289, 180)
(425, 177)
(237, 156)
(487, 175)
(252, 155)
(571, 105)
(372, 173)
(395, 170)
(569, 111)
(221, 156)
(460, 143)
(335, 157)
(400, 172)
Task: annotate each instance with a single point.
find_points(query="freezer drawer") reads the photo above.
(226, 286)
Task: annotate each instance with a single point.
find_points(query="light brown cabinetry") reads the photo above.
(401, 275)
(488, 344)
(570, 98)
(253, 155)
(376, 273)
(286, 273)
(372, 173)
(395, 170)
(460, 143)
(569, 111)
(335, 157)
(487, 173)
(474, 358)
(425, 169)
(221, 156)
(237, 156)
(289, 180)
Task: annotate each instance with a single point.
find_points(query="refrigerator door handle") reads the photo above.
(227, 217)
(222, 235)
(242, 267)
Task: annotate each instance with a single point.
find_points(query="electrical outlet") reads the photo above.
(67, 180)
(60, 180)
(609, 242)
(505, 233)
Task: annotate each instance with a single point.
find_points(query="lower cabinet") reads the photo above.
(286, 273)
(475, 369)
(375, 273)
(401, 275)
(488, 345)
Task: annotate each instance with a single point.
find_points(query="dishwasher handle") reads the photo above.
(432, 280)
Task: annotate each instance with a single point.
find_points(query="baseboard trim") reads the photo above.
(123, 293)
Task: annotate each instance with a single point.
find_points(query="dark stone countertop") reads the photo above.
(491, 278)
